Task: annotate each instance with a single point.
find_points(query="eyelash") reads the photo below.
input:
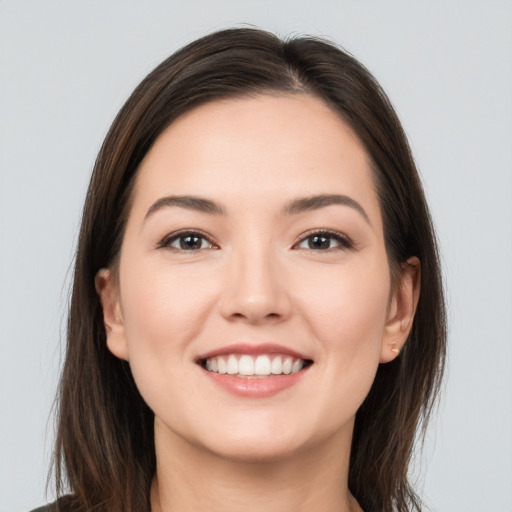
(343, 241)
(169, 239)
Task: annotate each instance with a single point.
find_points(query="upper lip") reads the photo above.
(250, 349)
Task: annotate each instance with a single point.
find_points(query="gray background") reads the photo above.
(66, 68)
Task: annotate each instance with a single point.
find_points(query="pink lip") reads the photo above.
(255, 387)
(254, 350)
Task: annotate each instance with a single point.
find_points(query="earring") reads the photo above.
(394, 348)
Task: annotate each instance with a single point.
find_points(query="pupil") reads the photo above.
(319, 242)
(190, 242)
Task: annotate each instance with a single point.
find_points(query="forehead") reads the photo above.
(259, 149)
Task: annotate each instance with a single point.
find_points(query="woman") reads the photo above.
(257, 316)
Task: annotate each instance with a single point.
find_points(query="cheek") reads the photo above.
(163, 310)
(346, 311)
(346, 308)
(162, 296)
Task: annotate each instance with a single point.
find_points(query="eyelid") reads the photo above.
(165, 242)
(344, 240)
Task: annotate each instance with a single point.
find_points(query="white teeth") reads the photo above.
(296, 366)
(262, 365)
(232, 365)
(277, 366)
(247, 365)
(222, 366)
(287, 365)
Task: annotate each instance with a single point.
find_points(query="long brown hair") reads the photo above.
(105, 453)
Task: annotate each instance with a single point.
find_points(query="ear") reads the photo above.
(401, 310)
(107, 289)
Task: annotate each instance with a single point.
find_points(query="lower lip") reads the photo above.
(256, 387)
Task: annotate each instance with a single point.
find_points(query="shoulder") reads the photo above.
(61, 505)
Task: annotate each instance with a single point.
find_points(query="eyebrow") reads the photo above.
(305, 204)
(297, 206)
(198, 204)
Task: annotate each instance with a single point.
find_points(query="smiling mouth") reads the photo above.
(260, 366)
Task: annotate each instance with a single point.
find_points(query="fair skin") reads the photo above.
(255, 277)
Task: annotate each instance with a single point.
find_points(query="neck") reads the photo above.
(189, 478)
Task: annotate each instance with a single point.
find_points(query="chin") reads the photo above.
(266, 444)
(256, 452)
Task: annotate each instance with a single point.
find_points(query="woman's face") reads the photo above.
(254, 246)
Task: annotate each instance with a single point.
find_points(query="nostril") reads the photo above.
(253, 317)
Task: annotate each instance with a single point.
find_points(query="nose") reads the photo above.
(254, 289)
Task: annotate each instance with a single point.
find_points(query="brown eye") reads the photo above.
(187, 241)
(319, 242)
(190, 242)
(325, 240)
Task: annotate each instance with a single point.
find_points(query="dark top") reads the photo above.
(56, 506)
(46, 508)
